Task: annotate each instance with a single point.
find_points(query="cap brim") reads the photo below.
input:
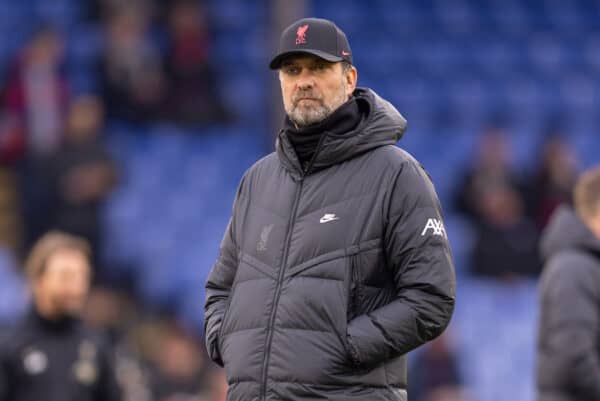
(276, 62)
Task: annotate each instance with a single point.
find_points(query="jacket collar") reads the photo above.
(381, 125)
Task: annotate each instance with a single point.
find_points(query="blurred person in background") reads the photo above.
(568, 359)
(51, 355)
(113, 314)
(11, 213)
(35, 103)
(193, 94)
(435, 375)
(506, 239)
(217, 387)
(98, 11)
(79, 175)
(335, 263)
(12, 138)
(553, 181)
(491, 198)
(181, 370)
(134, 85)
(37, 94)
(109, 311)
(491, 169)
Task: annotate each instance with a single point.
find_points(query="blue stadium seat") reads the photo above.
(461, 235)
(84, 44)
(14, 297)
(60, 13)
(495, 326)
(241, 15)
(510, 16)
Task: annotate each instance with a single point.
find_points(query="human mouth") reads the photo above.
(306, 99)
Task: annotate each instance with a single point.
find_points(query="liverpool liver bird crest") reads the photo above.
(301, 34)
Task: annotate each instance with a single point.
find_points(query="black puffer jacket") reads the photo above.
(328, 276)
(568, 363)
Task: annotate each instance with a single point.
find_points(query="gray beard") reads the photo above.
(303, 117)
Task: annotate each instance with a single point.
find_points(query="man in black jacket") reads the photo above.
(51, 356)
(335, 263)
(568, 364)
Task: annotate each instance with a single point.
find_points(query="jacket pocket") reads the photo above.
(354, 294)
(220, 333)
(354, 288)
(226, 313)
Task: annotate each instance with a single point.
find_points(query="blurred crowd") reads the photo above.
(156, 357)
(150, 76)
(507, 208)
(154, 65)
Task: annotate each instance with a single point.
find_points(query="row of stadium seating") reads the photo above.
(446, 65)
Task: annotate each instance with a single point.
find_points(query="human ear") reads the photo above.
(351, 77)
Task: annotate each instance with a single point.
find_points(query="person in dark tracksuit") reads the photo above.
(568, 347)
(51, 355)
(335, 263)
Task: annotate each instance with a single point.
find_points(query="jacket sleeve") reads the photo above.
(418, 255)
(570, 302)
(218, 286)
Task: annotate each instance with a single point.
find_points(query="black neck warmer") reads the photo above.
(306, 139)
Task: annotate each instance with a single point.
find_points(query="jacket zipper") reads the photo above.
(305, 171)
(270, 328)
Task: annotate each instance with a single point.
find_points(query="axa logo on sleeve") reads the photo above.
(434, 227)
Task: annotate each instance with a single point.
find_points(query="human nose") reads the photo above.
(305, 79)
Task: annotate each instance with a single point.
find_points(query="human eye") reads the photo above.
(290, 69)
(320, 66)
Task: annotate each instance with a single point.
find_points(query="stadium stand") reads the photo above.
(446, 65)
